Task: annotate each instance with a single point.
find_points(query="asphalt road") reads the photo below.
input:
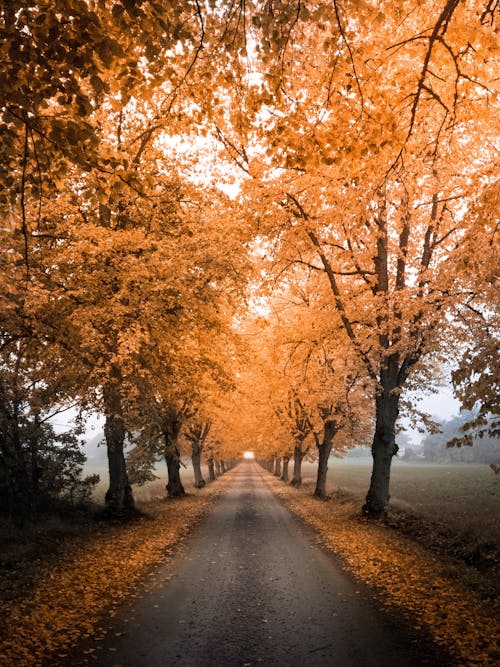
(252, 587)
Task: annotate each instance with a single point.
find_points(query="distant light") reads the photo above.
(248, 455)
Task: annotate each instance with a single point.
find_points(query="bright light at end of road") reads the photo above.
(248, 455)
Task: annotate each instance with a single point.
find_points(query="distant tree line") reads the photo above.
(435, 447)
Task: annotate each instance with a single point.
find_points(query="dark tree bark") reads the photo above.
(324, 451)
(171, 429)
(217, 467)
(173, 460)
(36, 470)
(298, 457)
(277, 467)
(222, 467)
(199, 482)
(284, 474)
(383, 449)
(211, 469)
(119, 499)
(19, 487)
(197, 434)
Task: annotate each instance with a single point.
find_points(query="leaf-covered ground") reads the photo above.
(76, 588)
(440, 597)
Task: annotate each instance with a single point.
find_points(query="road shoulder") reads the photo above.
(411, 582)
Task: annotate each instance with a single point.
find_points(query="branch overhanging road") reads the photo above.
(252, 587)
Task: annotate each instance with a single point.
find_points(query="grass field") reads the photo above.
(461, 498)
(151, 490)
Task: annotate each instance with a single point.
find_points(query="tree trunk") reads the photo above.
(173, 460)
(36, 470)
(324, 450)
(222, 467)
(277, 467)
(211, 469)
(217, 467)
(298, 456)
(199, 482)
(16, 474)
(119, 499)
(284, 474)
(383, 449)
(19, 489)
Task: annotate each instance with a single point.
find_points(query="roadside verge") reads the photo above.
(424, 588)
(75, 591)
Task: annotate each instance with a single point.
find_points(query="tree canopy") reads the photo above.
(277, 218)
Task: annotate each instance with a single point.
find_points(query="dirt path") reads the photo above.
(252, 587)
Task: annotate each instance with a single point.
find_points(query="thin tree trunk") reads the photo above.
(217, 467)
(222, 467)
(324, 450)
(211, 469)
(298, 456)
(277, 467)
(383, 449)
(36, 471)
(199, 482)
(118, 499)
(284, 474)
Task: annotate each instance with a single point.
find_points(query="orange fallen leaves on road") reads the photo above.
(424, 588)
(73, 594)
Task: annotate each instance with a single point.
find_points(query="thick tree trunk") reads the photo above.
(199, 482)
(173, 460)
(14, 468)
(19, 488)
(383, 449)
(211, 469)
(324, 450)
(277, 467)
(284, 474)
(118, 499)
(298, 457)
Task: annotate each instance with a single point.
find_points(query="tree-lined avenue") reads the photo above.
(252, 587)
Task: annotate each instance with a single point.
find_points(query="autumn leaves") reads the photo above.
(361, 162)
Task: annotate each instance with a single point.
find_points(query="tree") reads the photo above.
(358, 185)
(197, 434)
(437, 449)
(476, 378)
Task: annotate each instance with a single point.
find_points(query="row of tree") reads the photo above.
(278, 218)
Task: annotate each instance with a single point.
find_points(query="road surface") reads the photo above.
(252, 587)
